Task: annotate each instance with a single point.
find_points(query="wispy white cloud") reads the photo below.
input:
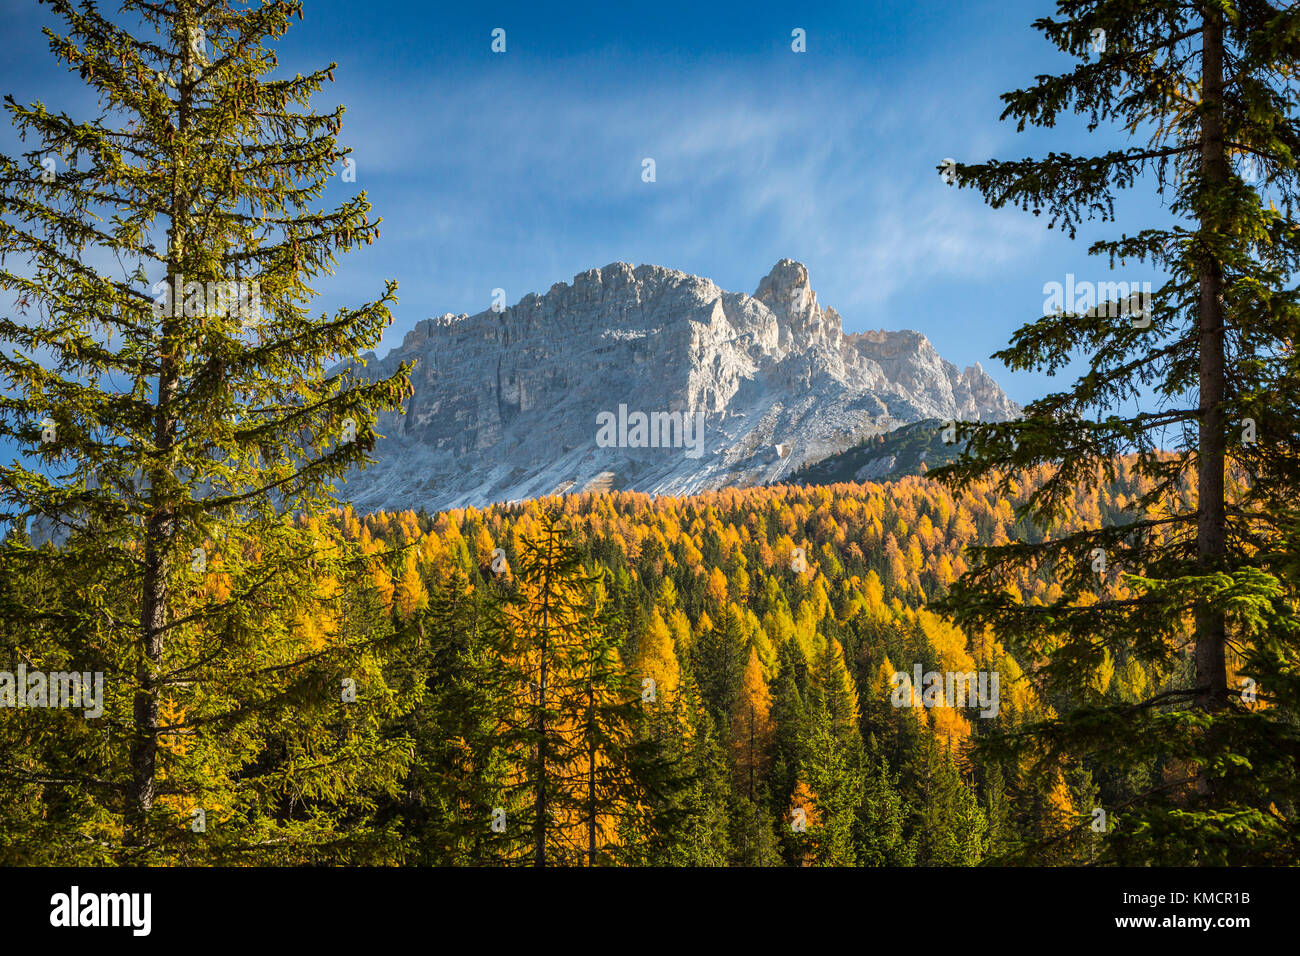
(825, 169)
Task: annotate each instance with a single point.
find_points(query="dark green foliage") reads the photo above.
(881, 835)
(1203, 387)
(952, 827)
(460, 772)
(910, 450)
(719, 662)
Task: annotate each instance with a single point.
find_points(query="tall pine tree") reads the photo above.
(169, 389)
(1202, 386)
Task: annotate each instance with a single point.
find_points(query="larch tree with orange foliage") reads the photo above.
(752, 728)
(577, 710)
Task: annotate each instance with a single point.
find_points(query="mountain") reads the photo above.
(649, 379)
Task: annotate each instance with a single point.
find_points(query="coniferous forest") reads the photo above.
(1074, 641)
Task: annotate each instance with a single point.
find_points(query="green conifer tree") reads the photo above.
(456, 809)
(176, 410)
(881, 837)
(951, 826)
(1201, 384)
(831, 769)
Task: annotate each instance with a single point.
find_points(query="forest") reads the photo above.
(1075, 640)
(708, 697)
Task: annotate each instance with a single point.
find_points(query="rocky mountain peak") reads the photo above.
(783, 282)
(786, 291)
(648, 378)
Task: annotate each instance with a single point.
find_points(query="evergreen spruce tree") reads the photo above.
(174, 412)
(753, 839)
(881, 835)
(788, 715)
(456, 810)
(698, 832)
(1202, 386)
(1002, 838)
(834, 690)
(951, 826)
(718, 660)
(832, 772)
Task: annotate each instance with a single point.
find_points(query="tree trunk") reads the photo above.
(752, 758)
(1211, 530)
(539, 803)
(591, 777)
(160, 527)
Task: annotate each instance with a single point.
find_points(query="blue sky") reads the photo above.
(519, 170)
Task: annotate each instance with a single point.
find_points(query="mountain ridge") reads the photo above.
(507, 402)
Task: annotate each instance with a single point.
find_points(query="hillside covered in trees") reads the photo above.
(1071, 636)
(717, 691)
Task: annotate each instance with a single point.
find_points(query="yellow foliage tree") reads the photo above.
(656, 659)
(752, 727)
(409, 594)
